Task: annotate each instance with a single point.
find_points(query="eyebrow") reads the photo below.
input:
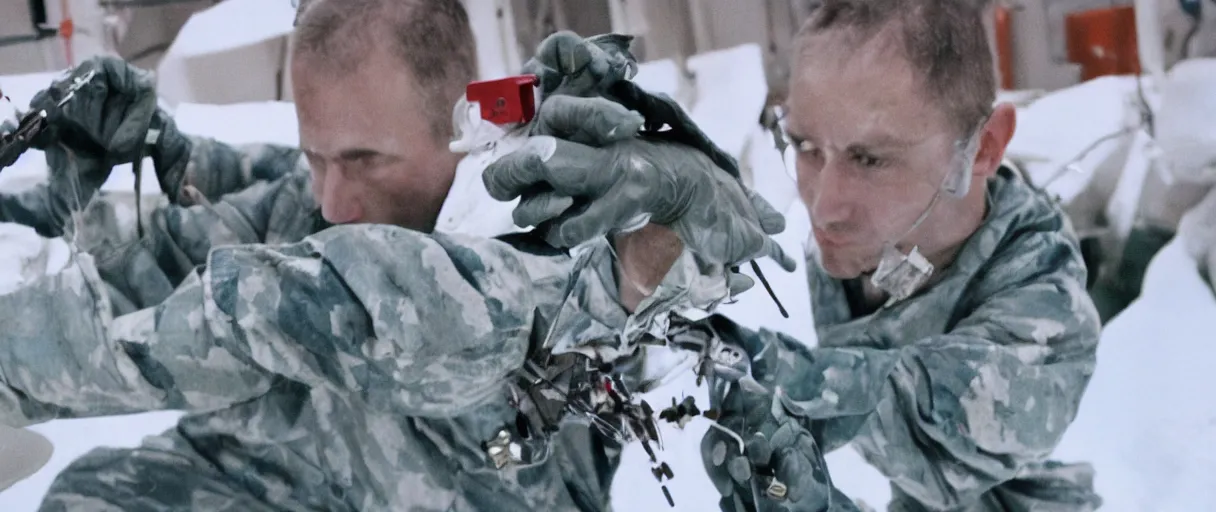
(882, 141)
(357, 154)
(885, 141)
(352, 154)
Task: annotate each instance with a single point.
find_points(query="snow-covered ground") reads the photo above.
(1148, 422)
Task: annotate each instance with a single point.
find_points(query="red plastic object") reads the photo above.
(1103, 41)
(506, 100)
(1004, 47)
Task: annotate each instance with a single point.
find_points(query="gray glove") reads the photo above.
(603, 66)
(576, 192)
(108, 120)
(780, 465)
(570, 65)
(677, 186)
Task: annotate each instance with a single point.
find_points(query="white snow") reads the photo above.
(1148, 422)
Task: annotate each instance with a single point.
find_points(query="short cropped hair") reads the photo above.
(432, 38)
(945, 40)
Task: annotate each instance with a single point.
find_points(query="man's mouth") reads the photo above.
(827, 240)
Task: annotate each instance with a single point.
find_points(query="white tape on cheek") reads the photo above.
(543, 146)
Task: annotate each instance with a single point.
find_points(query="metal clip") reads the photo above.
(77, 84)
(774, 488)
(503, 450)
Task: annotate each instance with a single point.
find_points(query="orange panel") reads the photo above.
(1103, 41)
(1004, 47)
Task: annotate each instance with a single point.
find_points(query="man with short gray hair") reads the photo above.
(956, 337)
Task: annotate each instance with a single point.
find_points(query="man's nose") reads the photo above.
(831, 196)
(340, 200)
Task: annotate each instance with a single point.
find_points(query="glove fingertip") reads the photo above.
(554, 238)
(779, 255)
(739, 283)
(503, 178)
(631, 125)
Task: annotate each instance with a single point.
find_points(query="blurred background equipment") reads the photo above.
(1041, 45)
(44, 35)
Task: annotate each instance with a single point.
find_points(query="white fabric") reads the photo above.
(1186, 121)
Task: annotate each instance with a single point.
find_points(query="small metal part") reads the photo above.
(77, 84)
(728, 355)
(503, 450)
(14, 144)
(774, 488)
(649, 451)
(680, 413)
(662, 471)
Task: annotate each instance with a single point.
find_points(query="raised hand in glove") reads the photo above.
(576, 192)
(672, 184)
(107, 120)
(602, 65)
(107, 117)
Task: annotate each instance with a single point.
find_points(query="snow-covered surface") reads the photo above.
(730, 93)
(659, 76)
(231, 52)
(1185, 130)
(1056, 128)
(1147, 422)
(271, 122)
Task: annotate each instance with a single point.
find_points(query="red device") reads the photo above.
(505, 100)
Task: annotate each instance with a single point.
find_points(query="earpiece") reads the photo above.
(958, 183)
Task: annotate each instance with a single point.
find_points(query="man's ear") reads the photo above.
(994, 138)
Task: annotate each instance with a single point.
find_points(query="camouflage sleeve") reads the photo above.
(63, 355)
(176, 239)
(948, 417)
(32, 208)
(428, 325)
(213, 169)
